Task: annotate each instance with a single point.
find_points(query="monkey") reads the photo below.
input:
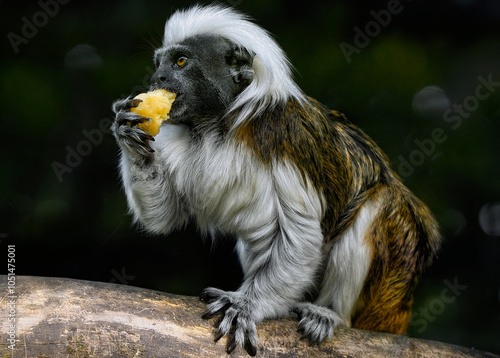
(324, 228)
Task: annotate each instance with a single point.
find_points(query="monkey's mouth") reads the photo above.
(173, 114)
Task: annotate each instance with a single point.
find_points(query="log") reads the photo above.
(58, 317)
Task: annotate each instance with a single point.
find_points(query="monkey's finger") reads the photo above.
(249, 342)
(307, 336)
(250, 345)
(130, 119)
(211, 294)
(216, 307)
(313, 341)
(301, 326)
(231, 346)
(246, 334)
(208, 315)
(141, 142)
(218, 336)
(206, 297)
(307, 333)
(304, 337)
(133, 102)
(146, 136)
(212, 312)
(249, 348)
(137, 120)
(120, 105)
(229, 321)
(314, 337)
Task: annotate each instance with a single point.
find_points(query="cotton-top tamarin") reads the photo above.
(324, 227)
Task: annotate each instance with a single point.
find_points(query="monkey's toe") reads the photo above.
(237, 322)
(316, 323)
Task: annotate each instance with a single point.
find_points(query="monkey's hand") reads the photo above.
(316, 323)
(125, 129)
(237, 322)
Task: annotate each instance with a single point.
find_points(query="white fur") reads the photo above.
(348, 265)
(291, 254)
(272, 84)
(273, 212)
(155, 204)
(221, 185)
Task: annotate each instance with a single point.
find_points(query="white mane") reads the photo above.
(272, 84)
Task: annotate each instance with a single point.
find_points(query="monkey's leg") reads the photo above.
(385, 314)
(405, 235)
(270, 290)
(387, 299)
(347, 267)
(280, 260)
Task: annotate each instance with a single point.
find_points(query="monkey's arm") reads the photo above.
(148, 185)
(280, 262)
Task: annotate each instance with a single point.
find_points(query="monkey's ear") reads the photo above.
(241, 61)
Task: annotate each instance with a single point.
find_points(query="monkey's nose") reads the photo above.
(158, 79)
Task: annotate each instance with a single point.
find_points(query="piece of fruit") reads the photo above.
(155, 105)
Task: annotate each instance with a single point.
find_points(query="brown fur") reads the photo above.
(348, 168)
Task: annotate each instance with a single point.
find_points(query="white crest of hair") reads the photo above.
(273, 83)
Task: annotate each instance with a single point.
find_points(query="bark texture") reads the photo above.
(56, 317)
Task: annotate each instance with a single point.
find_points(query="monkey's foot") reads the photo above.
(316, 323)
(237, 322)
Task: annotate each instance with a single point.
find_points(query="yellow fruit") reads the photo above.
(155, 105)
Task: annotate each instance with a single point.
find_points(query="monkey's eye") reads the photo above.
(181, 61)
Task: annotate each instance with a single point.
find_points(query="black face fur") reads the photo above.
(206, 72)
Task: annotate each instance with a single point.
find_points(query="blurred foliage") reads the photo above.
(58, 88)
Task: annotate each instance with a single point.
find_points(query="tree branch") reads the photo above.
(57, 317)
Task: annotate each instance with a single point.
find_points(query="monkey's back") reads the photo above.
(350, 170)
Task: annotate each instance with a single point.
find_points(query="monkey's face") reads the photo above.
(206, 72)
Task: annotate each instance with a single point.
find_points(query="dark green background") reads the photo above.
(59, 86)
